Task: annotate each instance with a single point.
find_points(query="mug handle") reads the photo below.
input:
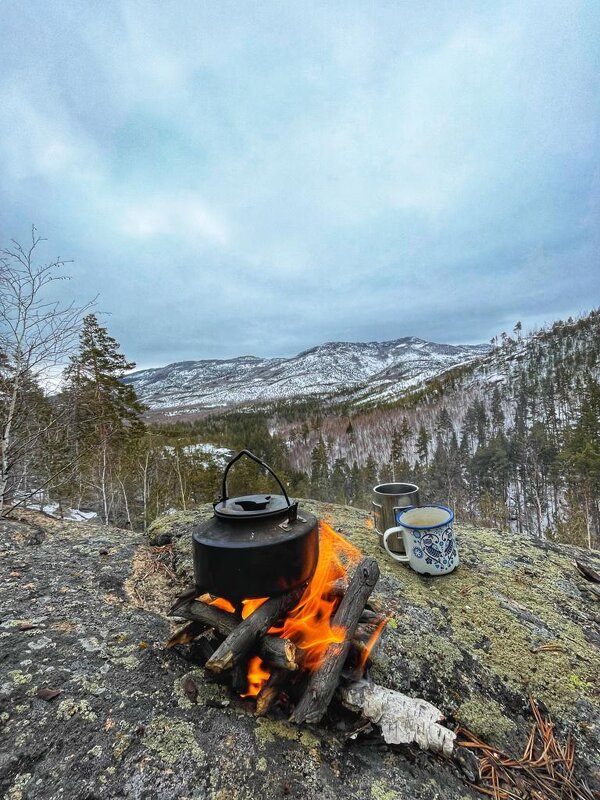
(377, 507)
(401, 509)
(386, 536)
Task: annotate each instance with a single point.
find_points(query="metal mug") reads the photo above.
(429, 540)
(389, 500)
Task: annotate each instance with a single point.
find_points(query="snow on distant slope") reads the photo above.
(385, 367)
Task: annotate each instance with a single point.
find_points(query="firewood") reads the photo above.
(371, 617)
(189, 594)
(338, 588)
(323, 682)
(239, 676)
(365, 629)
(402, 719)
(376, 605)
(185, 635)
(270, 691)
(276, 652)
(248, 631)
(223, 621)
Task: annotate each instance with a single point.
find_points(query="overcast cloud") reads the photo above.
(259, 177)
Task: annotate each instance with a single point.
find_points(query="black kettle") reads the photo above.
(257, 545)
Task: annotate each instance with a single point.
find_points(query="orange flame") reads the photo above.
(308, 624)
(249, 606)
(258, 675)
(370, 644)
(220, 602)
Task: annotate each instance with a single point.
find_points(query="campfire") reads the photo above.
(291, 650)
(281, 610)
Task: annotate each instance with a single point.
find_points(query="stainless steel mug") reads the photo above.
(389, 499)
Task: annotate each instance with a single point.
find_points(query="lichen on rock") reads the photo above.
(173, 740)
(515, 619)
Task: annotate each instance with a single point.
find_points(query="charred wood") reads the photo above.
(239, 676)
(280, 653)
(239, 642)
(270, 691)
(186, 634)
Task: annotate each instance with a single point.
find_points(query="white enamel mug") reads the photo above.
(429, 541)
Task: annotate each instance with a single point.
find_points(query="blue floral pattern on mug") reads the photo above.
(437, 546)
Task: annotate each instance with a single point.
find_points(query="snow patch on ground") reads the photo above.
(53, 510)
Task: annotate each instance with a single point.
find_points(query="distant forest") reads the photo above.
(511, 440)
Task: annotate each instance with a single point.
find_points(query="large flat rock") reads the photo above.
(82, 611)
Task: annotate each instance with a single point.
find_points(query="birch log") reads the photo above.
(402, 719)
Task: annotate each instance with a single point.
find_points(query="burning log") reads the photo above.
(270, 691)
(323, 682)
(276, 652)
(239, 676)
(248, 631)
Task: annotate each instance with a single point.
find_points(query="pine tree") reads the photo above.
(356, 485)
(497, 411)
(444, 426)
(370, 479)
(481, 422)
(319, 474)
(339, 480)
(106, 414)
(581, 459)
(423, 445)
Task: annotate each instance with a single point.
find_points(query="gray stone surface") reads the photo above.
(81, 612)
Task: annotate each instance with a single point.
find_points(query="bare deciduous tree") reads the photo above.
(36, 333)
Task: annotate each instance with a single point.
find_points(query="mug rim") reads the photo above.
(411, 488)
(425, 527)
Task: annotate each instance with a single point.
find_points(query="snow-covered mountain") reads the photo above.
(362, 369)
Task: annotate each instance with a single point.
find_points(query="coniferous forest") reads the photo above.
(511, 440)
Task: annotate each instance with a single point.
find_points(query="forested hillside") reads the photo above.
(511, 439)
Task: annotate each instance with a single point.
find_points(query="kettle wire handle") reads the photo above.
(258, 461)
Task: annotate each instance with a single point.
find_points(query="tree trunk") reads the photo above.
(126, 504)
(5, 441)
(103, 483)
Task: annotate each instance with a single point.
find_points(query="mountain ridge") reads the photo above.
(323, 370)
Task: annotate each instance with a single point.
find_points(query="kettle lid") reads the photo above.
(253, 506)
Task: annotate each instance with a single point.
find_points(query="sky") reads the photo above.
(260, 177)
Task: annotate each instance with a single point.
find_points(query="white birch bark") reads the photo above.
(402, 719)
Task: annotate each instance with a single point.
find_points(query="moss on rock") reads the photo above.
(165, 528)
(485, 718)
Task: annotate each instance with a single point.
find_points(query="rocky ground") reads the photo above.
(92, 706)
